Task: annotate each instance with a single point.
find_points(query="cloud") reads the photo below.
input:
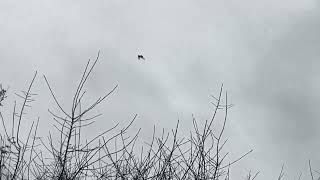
(265, 52)
(284, 80)
(284, 83)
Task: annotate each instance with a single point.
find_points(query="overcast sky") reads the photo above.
(265, 52)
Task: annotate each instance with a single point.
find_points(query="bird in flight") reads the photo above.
(141, 57)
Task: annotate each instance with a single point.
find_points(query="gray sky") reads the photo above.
(265, 52)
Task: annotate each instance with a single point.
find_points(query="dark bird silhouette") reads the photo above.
(141, 57)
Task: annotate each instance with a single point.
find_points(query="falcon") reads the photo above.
(140, 57)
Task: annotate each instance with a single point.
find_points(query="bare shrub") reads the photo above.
(110, 154)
